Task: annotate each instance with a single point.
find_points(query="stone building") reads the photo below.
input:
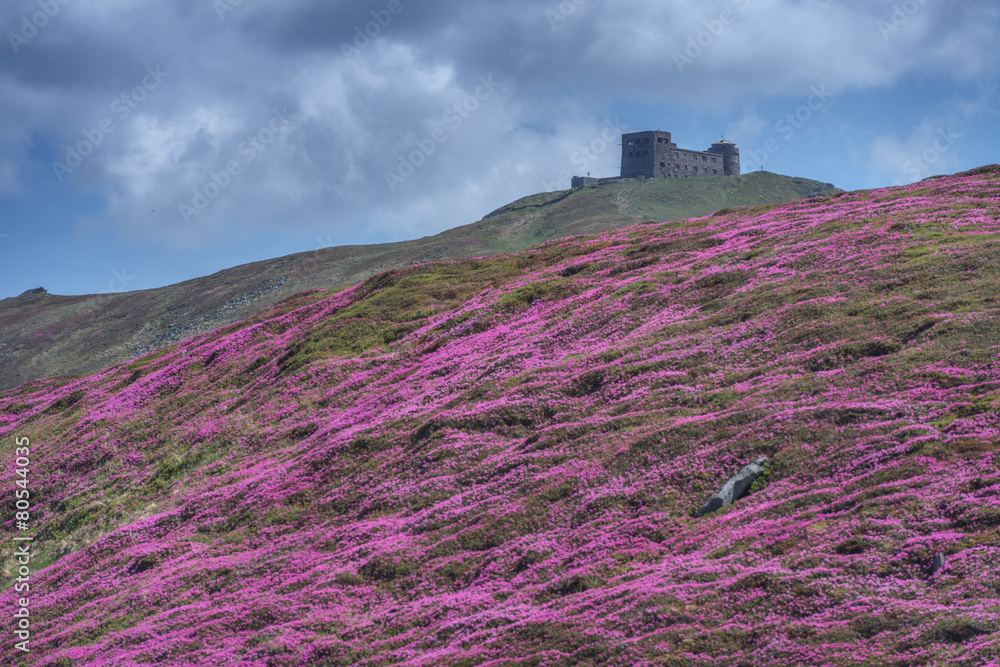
(651, 154)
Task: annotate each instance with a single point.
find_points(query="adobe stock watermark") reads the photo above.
(584, 157)
(919, 166)
(697, 43)
(900, 15)
(119, 282)
(122, 106)
(249, 150)
(223, 7)
(453, 117)
(31, 25)
(562, 12)
(792, 122)
(22, 552)
(372, 29)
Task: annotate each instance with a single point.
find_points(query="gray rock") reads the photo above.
(37, 290)
(734, 488)
(936, 564)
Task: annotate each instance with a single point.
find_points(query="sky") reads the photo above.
(147, 143)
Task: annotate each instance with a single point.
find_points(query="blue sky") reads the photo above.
(142, 146)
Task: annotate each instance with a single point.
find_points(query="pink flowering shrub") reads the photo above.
(495, 461)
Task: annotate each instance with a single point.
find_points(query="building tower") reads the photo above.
(642, 151)
(730, 156)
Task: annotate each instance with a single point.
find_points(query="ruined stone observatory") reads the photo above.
(651, 154)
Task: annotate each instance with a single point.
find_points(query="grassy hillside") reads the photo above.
(42, 335)
(496, 461)
(597, 208)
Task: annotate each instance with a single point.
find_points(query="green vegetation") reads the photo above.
(50, 337)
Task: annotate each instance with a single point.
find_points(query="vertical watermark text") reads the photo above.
(22, 543)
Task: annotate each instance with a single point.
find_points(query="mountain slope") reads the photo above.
(42, 334)
(495, 461)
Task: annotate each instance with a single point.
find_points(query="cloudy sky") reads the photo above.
(145, 143)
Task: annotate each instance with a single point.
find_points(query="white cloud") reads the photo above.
(356, 118)
(749, 126)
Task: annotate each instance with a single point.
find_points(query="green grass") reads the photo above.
(117, 327)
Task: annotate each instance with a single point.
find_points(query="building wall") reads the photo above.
(730, 156)
(652, 155)
(642, 151)
(683, 163)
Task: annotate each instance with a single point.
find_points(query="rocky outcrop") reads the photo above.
(207, 321)
(734, 489)
(936, 564)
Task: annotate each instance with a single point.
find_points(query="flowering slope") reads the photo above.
(495, 461)
(45, 334)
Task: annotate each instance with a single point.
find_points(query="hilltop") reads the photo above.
(496, 461)
(45, 334)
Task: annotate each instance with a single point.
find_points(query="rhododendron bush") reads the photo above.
(496, 461)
